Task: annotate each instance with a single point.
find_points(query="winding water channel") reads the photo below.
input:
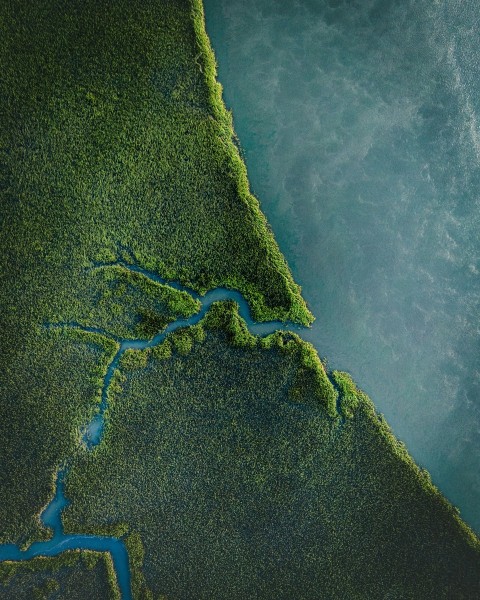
(93, 432)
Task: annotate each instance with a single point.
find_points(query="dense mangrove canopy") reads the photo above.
(232, 466)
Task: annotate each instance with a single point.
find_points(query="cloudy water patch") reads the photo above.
(359, 124)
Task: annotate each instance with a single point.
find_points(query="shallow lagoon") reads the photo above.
(358, 121)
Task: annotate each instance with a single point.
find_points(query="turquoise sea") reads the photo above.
(360, 126)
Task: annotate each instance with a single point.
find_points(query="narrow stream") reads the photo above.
(93, 432)
(61, 542)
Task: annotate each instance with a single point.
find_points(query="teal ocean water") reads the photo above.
(360, 125)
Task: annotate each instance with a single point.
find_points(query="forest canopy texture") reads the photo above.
(233, 466)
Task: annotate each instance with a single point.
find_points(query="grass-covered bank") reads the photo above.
(224, 460)
(49, 389)
(115, 136)
(73, 575)
(232, 479)
(114, 144)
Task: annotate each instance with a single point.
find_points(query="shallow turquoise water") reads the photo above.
(358, 120)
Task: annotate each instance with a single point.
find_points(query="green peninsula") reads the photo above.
(233, 466)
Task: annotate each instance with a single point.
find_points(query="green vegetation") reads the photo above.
(114, 145)
(114, 136)
(49, 390)
(226, 463)
(234, 481)
(348, 393)
(310, 382)
(73, 575)
(129, 304)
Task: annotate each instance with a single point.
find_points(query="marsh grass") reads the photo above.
(230, 486)
(75, 575)
(114, 145)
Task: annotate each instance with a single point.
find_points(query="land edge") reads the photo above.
(299, 311)
(257, 306)
(344, 398)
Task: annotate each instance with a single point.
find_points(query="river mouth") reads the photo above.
(359, 125)
(351, 319)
